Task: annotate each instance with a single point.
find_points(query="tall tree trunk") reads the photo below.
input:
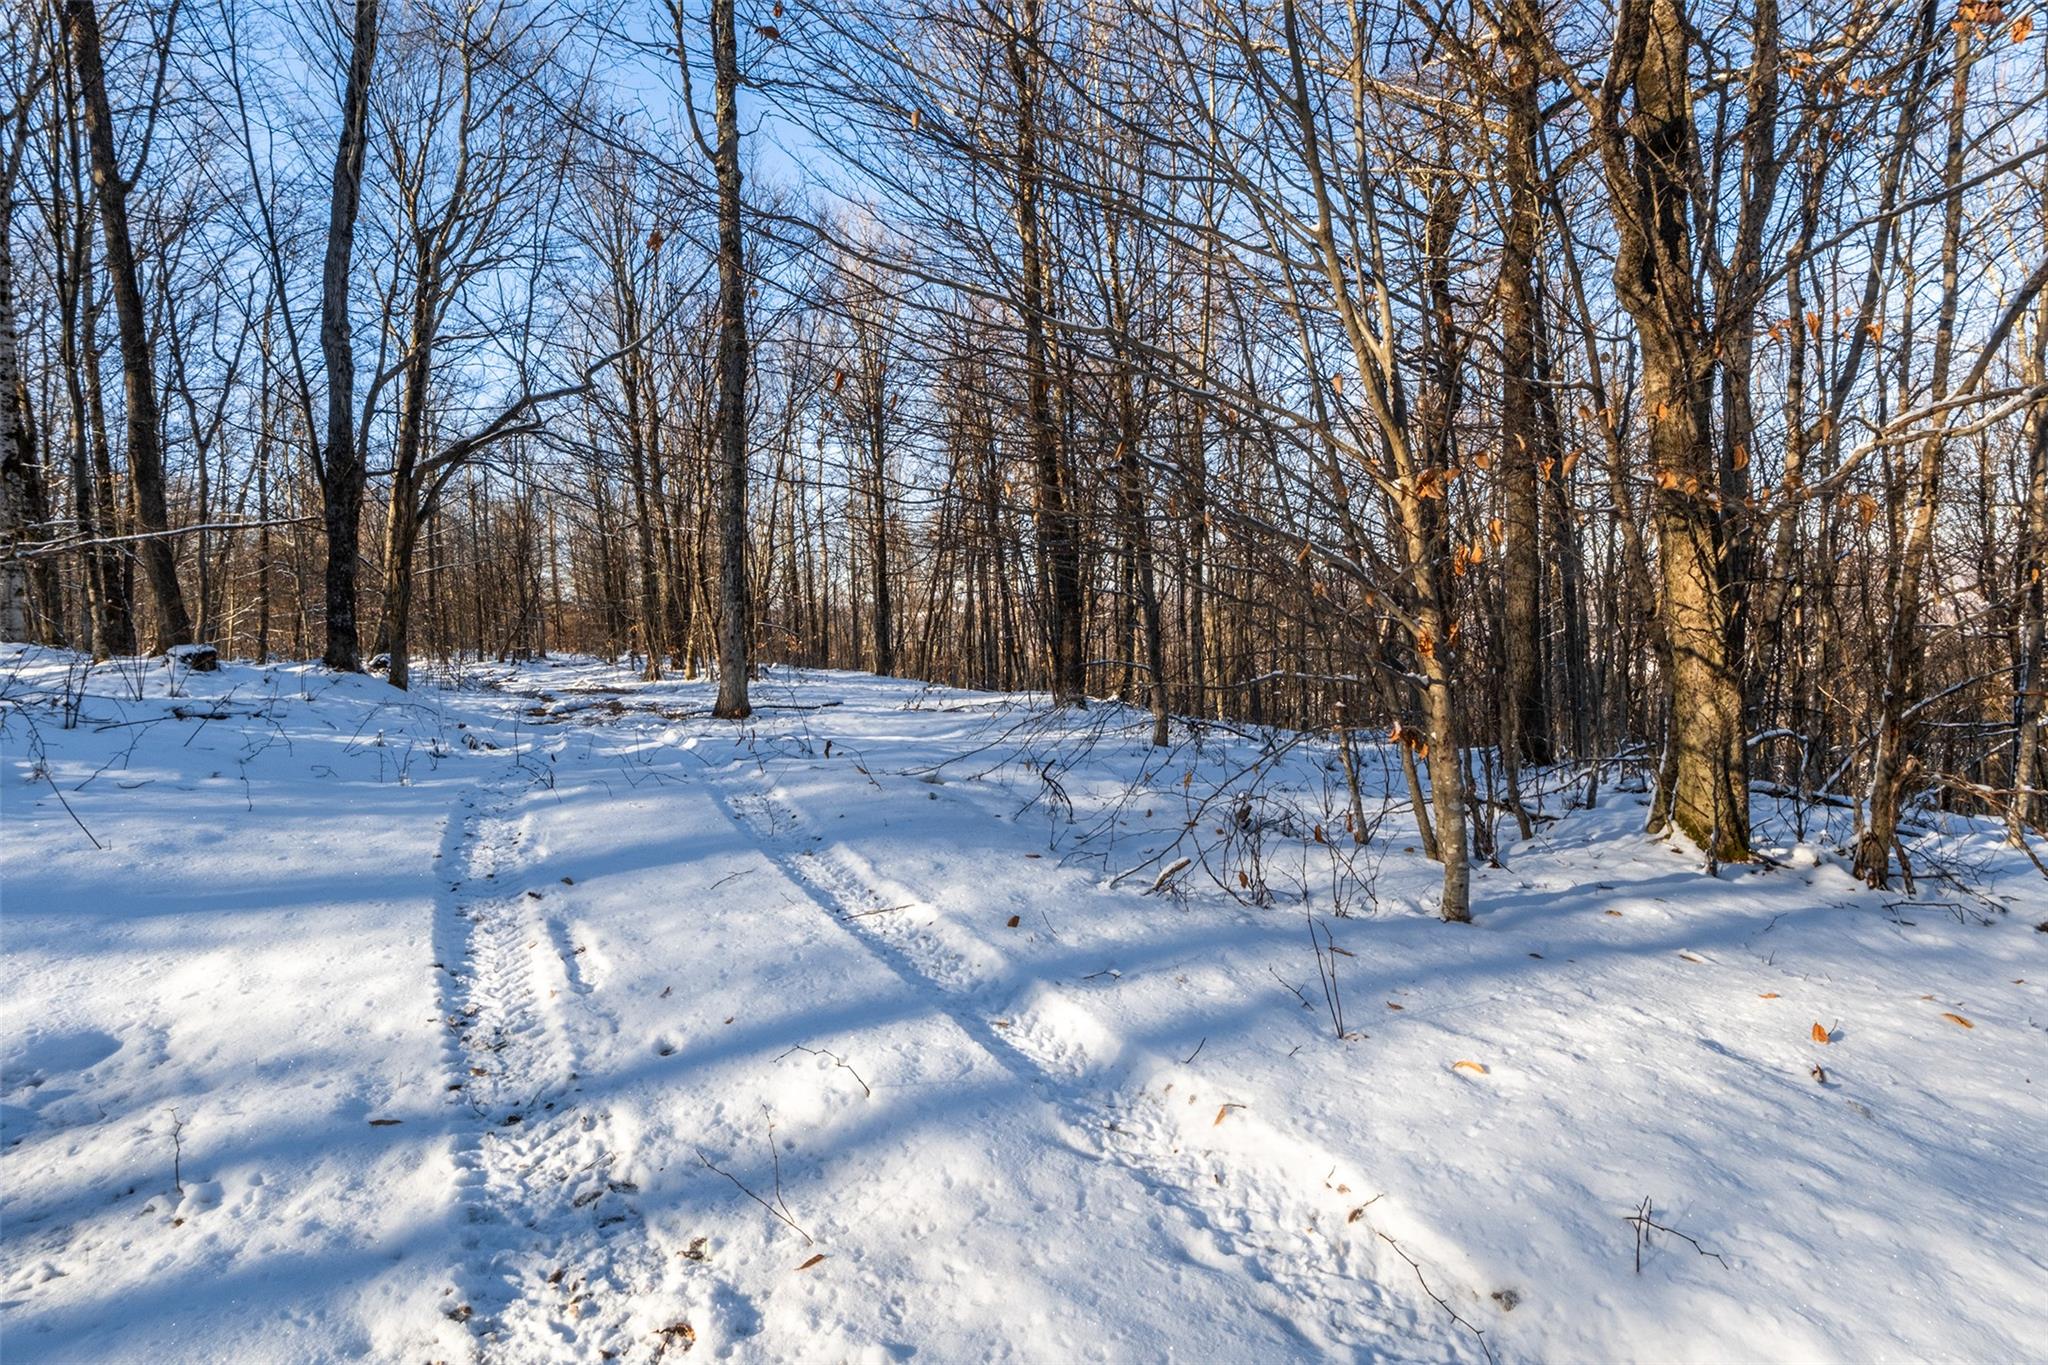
(653, 619)
(1525, 445)
(2030, 691)
(1417, 446)
(20, 481)
(1058, 530)
(1649, 171)
(878, 531)
(401, 539)
(1893, 762)
(117, 615)
(138, 369)
(103, 620)
(342, 475)
(735, 625)
(31, 595)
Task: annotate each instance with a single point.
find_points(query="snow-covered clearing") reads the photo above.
(546, 1018)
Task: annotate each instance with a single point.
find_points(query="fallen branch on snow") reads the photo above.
(1416, 1266)
(1645, 1225)
(779, 1208)
(827, 1052)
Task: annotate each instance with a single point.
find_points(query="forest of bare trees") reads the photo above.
(1652, 391)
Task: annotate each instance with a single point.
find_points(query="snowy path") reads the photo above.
(549, 1020)
(532, 1153)
(1314, 1295)
(1313, 1290)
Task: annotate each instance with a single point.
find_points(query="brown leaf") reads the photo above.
(1474, 1067)
(813, 1261)
(1224, 1113)
(1957, 1019)
(1768, 995)
(1392, 1006)
(1013, 921)
(1820, 1034)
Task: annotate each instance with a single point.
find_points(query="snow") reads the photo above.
(539, 1016)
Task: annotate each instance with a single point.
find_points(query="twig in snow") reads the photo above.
(779, 1213)
(879, 910)
(775, 1160)
(1295, 989)
(1414, 1265)
(1196, 1053)
(1326, 951)
(1169, 872)
(70, 812)
(177, 1152)
(827, 1052)
(1645, 1225)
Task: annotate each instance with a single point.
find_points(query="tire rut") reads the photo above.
(551, 1253)
(1262, 1223)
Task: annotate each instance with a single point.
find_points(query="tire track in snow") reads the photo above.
(551, 1255)
(1323, 1283)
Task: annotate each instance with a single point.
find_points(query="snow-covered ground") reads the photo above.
(542, 1017)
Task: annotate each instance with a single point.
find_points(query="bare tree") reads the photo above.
(342, 468)
(138, 366)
